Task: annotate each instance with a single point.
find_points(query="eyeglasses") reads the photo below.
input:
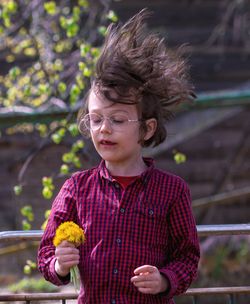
(118, 122)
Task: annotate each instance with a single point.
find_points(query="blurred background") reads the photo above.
(47, 53)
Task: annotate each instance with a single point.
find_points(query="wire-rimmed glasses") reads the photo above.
(117, 121)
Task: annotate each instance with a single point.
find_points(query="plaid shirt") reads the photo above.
(148, 223)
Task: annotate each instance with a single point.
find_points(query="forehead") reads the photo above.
(97, 103)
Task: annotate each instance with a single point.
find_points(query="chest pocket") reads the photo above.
(151, 221)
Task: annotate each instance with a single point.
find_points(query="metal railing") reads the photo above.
(194, 293)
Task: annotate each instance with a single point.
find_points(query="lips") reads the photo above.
(107, 143)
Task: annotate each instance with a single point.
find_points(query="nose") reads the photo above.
(106, 126)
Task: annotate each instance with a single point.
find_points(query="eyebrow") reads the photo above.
(111, 112)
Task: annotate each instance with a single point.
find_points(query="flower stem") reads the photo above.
(75, 277)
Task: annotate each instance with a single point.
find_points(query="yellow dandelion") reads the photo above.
(71, 232)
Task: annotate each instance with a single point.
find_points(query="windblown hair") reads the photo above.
(139, 68)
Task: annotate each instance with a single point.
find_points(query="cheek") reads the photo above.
(93, 137)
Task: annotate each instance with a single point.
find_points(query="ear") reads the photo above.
(151, 125)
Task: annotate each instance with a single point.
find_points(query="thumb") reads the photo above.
(145, 269)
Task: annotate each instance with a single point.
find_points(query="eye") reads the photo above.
(118, 119)
(95, 119)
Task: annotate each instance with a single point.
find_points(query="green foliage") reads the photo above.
(27, 212)
(50, 7)
(33, 285)
(18, 189)
(30, 265)
(53, 54)
(59, 43)
(179, 157)
(48, 187)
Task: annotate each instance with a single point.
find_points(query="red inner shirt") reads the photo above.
(124, 181)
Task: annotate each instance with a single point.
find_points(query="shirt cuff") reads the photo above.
(59, 280)
(172, 280)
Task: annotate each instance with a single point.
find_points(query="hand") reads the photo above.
(149, 280)
(67, 256)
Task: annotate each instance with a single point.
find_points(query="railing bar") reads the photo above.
(38, 296)
(229, 229)
(203, 230)
(217, 290)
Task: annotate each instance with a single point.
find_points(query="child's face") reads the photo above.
(116, 139)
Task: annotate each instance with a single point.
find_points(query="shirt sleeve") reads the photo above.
(63, 209)
(184, 251)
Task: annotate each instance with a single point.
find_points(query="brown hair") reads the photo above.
(139, 68)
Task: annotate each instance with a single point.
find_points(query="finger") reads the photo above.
(66, 250)
(146, 290)
(143, 278)
(68, 257)
(66, 244)
(68, 261)
(145, 269)
(144, 284)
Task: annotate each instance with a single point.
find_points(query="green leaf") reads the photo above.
(47, 213)
(14, 72)
(84, 49)
(43, 88)
(102, 30)
(27, 212)
(56, 138)
(74, 93)
(112, 16)
(73, 129)
(11, 6)
(42, 129)
(77, 162)
(76, 13)
(62, 87)
(18, 189)
(27, 90)
(179, 158)
(50, 7)
(78, 145)
(81, 66)
(47, 193)
(72, 28)
(83, 3)
(87, 72)
(64, 169)
(47, 181)
(63, 22)
(27, 269)
(68, 157)
(26, 225)
(31, 264)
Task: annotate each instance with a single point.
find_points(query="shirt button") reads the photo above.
(115, 271)
(118, 241)
(117, 185)
(122, 210)
(151, 212)
(113, 301)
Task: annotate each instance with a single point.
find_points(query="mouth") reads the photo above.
(107, 143)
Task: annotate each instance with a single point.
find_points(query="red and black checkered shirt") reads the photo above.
(148, 223)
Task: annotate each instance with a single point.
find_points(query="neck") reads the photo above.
(131, 169)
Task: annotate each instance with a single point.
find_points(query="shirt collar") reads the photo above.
(104, 173)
